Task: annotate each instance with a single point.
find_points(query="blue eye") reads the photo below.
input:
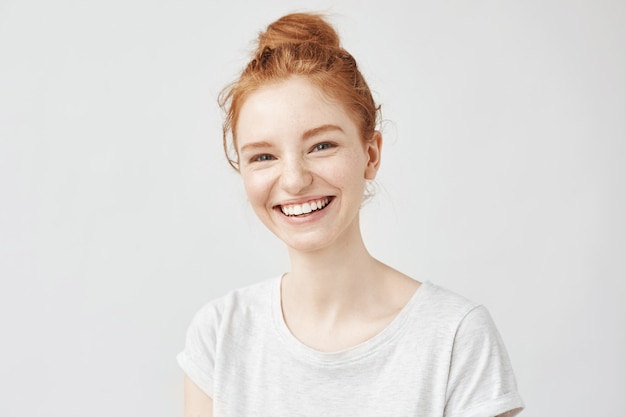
(322, 146)
(263, 157)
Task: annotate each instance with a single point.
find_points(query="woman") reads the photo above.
(340, 334)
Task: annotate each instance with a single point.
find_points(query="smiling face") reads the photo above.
(304, 164)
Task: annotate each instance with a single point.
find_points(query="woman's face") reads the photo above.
(304, 164)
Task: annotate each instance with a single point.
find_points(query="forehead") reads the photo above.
(286, 109)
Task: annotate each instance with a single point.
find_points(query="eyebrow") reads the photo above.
(255, 145)
(306, 135)
(319, 130)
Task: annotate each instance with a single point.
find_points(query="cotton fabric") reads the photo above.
(442, 356)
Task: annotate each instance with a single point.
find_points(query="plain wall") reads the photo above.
(502, 179)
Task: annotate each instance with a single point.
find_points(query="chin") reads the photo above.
(306, 244)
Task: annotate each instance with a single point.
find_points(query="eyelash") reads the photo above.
(264, 157)
(326, 145)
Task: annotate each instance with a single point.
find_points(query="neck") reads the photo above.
(340, 296)
(332, 277)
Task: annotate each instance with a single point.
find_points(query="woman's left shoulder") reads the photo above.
(445, 303)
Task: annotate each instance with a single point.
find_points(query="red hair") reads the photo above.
(301, 44)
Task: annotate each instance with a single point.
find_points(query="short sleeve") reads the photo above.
(481, 382)
(197, 359)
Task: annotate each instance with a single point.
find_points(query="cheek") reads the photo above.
(352, 170)
(256, 187)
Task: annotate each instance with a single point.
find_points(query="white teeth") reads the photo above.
(306, 208)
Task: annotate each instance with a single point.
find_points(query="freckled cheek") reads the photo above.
(348, 172)
(257, 189)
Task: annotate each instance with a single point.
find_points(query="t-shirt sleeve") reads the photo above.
(481, 382)
(197, 359)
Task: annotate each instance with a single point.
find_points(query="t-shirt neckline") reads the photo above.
(354, 353)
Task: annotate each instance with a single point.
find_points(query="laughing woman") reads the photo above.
(340, 334)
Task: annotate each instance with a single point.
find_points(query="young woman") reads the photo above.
(340, 334)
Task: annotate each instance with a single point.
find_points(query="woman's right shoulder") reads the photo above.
(243, 300)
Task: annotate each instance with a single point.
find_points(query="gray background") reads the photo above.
(502, 179)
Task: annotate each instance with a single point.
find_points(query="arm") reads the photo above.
(197, 403)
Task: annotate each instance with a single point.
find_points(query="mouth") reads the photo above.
(305, 209)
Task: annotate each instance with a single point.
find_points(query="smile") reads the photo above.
(305, 208)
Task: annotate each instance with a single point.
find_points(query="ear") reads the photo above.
(373, 150)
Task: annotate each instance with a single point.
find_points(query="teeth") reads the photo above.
(306, 208)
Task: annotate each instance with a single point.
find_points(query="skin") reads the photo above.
(197, 403)
(297, 145)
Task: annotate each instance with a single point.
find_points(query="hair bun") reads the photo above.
(303, 45)
(298, 28)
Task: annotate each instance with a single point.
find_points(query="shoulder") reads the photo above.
(443, 305)
(450, 318)
(230, 318)
(480, 376)
(446, 297)
(231, 313)
(468, 316)
(245, 300)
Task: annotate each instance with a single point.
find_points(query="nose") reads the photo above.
(295, 176)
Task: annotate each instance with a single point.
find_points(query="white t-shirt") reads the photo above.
(441, 356)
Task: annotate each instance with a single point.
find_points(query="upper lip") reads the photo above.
(303, 200)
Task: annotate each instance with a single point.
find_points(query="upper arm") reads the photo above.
(197, 403)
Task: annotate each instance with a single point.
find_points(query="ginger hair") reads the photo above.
(300, 44)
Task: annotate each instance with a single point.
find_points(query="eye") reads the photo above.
(322, 146)
(262, 158)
